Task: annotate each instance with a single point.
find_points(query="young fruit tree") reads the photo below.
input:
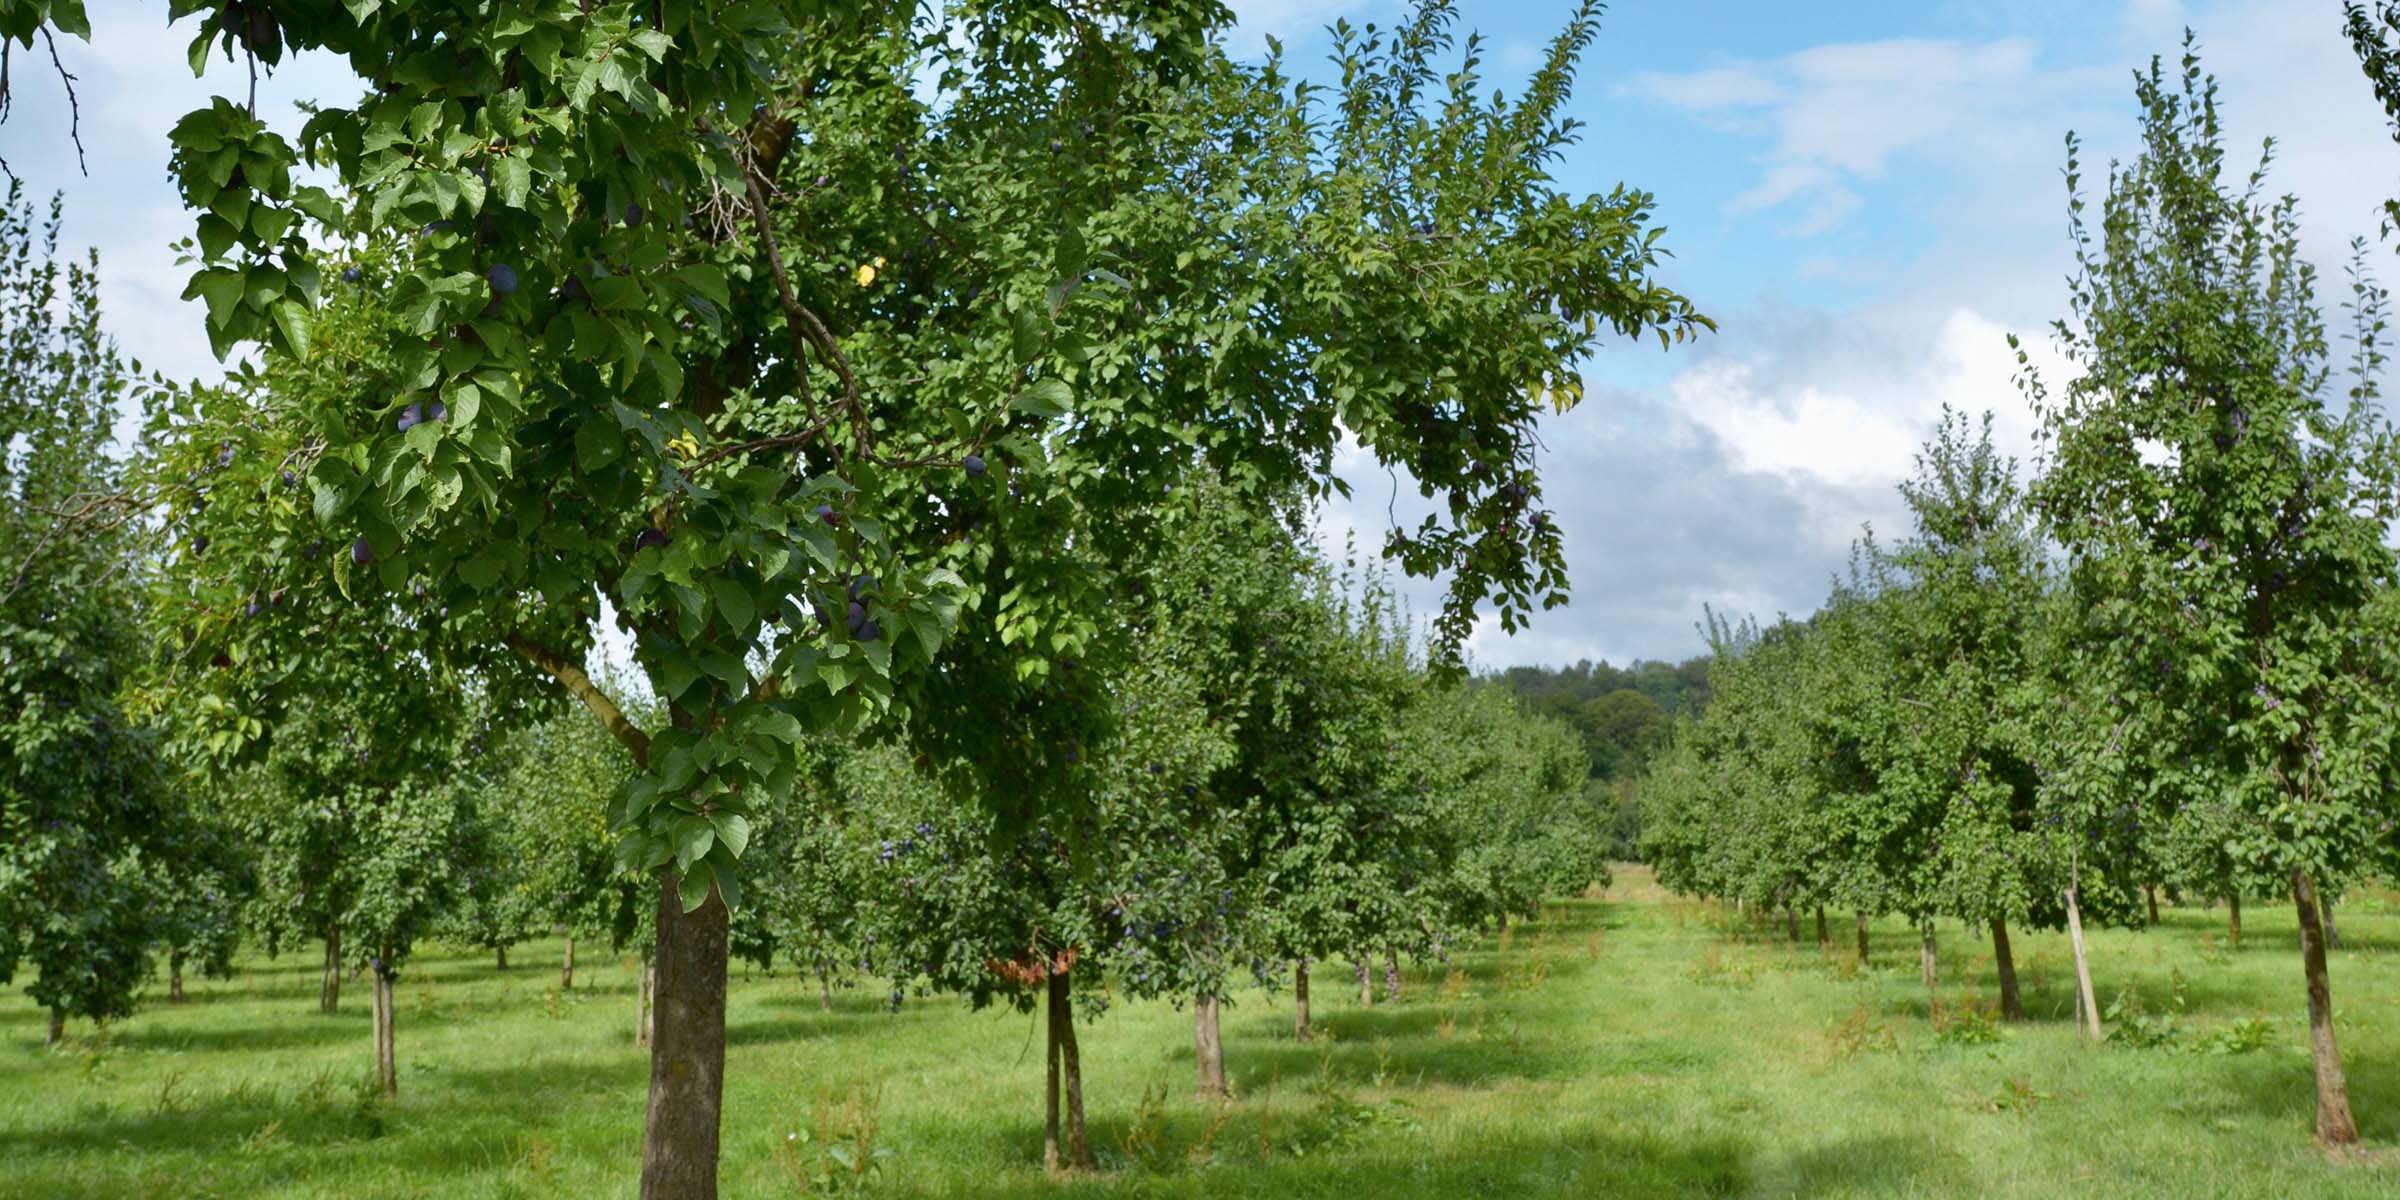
(1964, 629)
(699, 316)
(2224, 503)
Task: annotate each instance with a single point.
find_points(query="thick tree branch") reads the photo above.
(580, 685)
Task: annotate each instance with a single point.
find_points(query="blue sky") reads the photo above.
(1866, 196)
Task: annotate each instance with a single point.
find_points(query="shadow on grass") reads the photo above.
(1315, 1146)
(300, 1030)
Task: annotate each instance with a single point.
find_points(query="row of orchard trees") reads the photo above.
(2168, 662)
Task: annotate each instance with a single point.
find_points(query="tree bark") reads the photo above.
(2333, 937)
(329, 992)
(1300, 1028)
(1791, 923)
(2087, 1011)
(1824, 941)
(2335, 1125)
(824, 991)
(1208, 1046)
(1051, 1160)
(2150, 893)
(1863, 953)
(175, 978)
(500, 957)
(1391, 975)
(2233, 918)
(387, 1071)
(58, 1027)
(566, 966)
(2012, 1004)
(687, 1049)
(1066, 1066)
(1366, 985)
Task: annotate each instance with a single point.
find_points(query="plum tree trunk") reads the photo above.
(1051, 1160)
(1066, 1068)
(1391, 975)
(687, 1049)
(1863, 952)
(174, 979)
(2335, 1125)
(2012, 1005)
(824, 991)
(2087, 1012)
(329, 992)
(1300, 1028)
(500, 957)
(2233, 918)
(1208, 1046)
(387, 1070)
(1366, 984)
(1926, 957)
(1824, 941)
(566, 966)
(58, 1027)
(2150, 893)
(2333, 937)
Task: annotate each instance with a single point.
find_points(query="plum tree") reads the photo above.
(2237, 567)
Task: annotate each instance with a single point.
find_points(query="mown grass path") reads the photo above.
(1628, 1045)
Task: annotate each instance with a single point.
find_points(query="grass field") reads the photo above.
(1628, 1045)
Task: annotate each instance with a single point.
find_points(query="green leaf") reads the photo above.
(512, 178)
(597, 444)
(693, 887)
(1047, 399)
(693, 836)
(734, 603)
(292, 321)
(733, 829)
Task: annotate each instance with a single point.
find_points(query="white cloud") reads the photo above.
(1842, 113)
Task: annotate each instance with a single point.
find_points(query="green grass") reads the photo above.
(1625, 1046)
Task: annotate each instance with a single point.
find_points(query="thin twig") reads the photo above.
(74, 107)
